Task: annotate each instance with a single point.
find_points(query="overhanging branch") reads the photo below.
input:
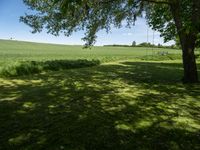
(157, 2)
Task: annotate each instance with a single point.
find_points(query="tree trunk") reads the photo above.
(187, 41)
(189, 60)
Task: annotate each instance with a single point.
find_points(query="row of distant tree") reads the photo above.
(145, 44)
(177, 45)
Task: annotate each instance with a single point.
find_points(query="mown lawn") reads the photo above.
(126, 105)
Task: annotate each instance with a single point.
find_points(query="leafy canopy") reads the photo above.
(68, 16)
(160, 18)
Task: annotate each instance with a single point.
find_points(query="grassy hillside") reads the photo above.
(18, 58)
(134, 101)
(15, 50)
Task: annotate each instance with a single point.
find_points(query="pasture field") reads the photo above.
(133, 100)
(18, 58)
(14, 51)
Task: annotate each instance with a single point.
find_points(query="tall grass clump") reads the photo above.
(21, 68)
(161, 57)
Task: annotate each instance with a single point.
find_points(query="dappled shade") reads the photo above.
(119, 106)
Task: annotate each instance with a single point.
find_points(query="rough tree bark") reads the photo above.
(187, 41)
(189, 60)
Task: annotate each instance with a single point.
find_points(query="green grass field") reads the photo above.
(14, 50)
(134, 100)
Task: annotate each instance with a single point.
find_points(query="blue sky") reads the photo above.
(11, 10)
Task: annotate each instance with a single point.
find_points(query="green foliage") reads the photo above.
(160, 18)
(198, 41)
(32, 67)
(65, 16)
(133, 43)
(145, 44)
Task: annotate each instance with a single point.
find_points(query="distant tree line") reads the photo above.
(145, 44)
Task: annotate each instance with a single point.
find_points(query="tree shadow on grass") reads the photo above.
(132, 105)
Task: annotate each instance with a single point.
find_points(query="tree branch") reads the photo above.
(157, 2)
